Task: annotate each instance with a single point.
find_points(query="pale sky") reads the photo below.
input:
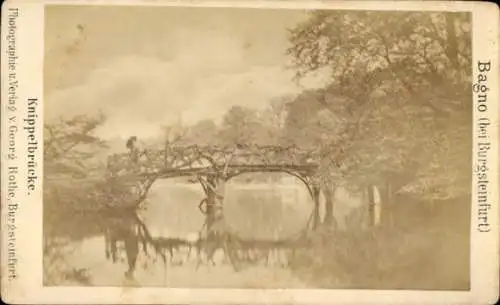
(145, 67)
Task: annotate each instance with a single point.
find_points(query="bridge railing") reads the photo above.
(181, 158)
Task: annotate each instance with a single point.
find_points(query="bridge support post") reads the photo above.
(211, 202)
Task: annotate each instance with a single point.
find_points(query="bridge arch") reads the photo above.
(301, 178)
(214, 166)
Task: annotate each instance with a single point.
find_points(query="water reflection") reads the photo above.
(161, 245)
(170, 223)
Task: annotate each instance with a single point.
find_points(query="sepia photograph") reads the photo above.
(250, 152)
(257, 148)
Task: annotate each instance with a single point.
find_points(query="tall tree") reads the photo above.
(239, 126)
(70, 146)
(399, 87)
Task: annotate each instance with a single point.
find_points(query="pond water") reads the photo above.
(255, 211)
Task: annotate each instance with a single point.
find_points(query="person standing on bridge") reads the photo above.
(133, 149)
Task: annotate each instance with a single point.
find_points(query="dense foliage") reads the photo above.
(399, 95)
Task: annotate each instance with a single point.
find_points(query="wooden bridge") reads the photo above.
(212, 167)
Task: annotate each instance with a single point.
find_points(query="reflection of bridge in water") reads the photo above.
(258, 210)
(212, 167)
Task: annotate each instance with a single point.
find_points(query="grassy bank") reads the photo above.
(428, 251)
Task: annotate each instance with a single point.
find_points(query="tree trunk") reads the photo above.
(328, 193)
(451, 37)
(315, 221)
(371, 205)
(386, 194)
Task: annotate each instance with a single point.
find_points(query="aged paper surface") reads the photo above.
(249, 152)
